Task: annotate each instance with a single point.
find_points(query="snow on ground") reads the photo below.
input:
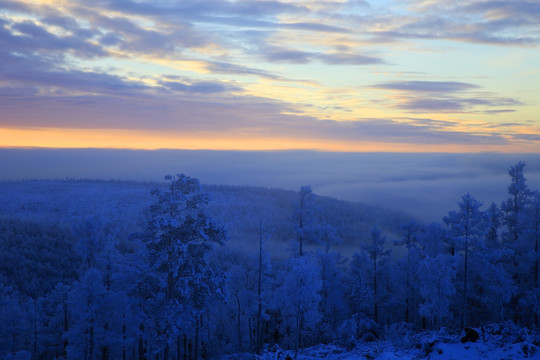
(386, 351)
(480, 350)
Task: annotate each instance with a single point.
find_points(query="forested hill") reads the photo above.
(112, 269)
(123, 205)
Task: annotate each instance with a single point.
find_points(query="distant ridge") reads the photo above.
(239, 209)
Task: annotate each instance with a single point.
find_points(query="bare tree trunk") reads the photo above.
(124, 336)
(105, 353)
(536, 265)
(166, 352)
(407, 314)
(250, 327)
(301, 235)
(91, 342)
(35, 329)
(239, 323)
(298, 330)
(185, 347)
(142, 350)
(66, 327)
(375, 300)
(259, 308)
(197, 338)
(465, 285)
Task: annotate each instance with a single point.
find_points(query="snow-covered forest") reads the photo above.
(177, 270)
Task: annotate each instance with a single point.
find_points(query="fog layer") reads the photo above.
(423, 185)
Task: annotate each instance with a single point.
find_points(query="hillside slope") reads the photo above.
(240, 209)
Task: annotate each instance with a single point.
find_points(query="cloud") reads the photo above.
(261, 14)
(505, 9)
(62, 21)
(504, 125)
(529, 137)
(228, 68)
(500, 22)
(201, 87)
(40, 72)
(236, 69)
(107, 63)
(15, 6)
(289, 56)
(278, 54)
(312, 26)
(427, 86)
(454, 104)
(497, 22)
(98, 99)
(436, 124)
(28, 37)
(433, 105)
(216, 112)
(349, 59)
(443, 96)
(131, 37)
(415, 131)
(500, 111)
(190, 8)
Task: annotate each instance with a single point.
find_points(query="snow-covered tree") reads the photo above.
(300, 216)
(514, 208)
(332, 306)
(89, 315)
(467, 229)
(361, 289)
(377, 253)
(299, 298)
(35, 256)
(56, 321)
(534, 234)
(529, 255)
(493, 219)
(16, 325)
(179, 237)
(434, 240)
(518, 240)
(245, 306)
(409, 240)
(492, 286)
(436, 286)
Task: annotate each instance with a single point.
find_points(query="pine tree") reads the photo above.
(16, 325)
(409, 239)
(332, 292)
(180, 234)
(531, 298)
(300, 297)
(376, 253)
(514, 208)
(516, 240)
(360, 293)
(436, 286)
(300, 217)
(493, 220)
(467, 229)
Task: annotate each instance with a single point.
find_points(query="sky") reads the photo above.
(345, 76)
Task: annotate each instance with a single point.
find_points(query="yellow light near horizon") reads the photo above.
(152, 140)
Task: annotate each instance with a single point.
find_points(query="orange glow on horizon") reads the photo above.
(145, 140)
